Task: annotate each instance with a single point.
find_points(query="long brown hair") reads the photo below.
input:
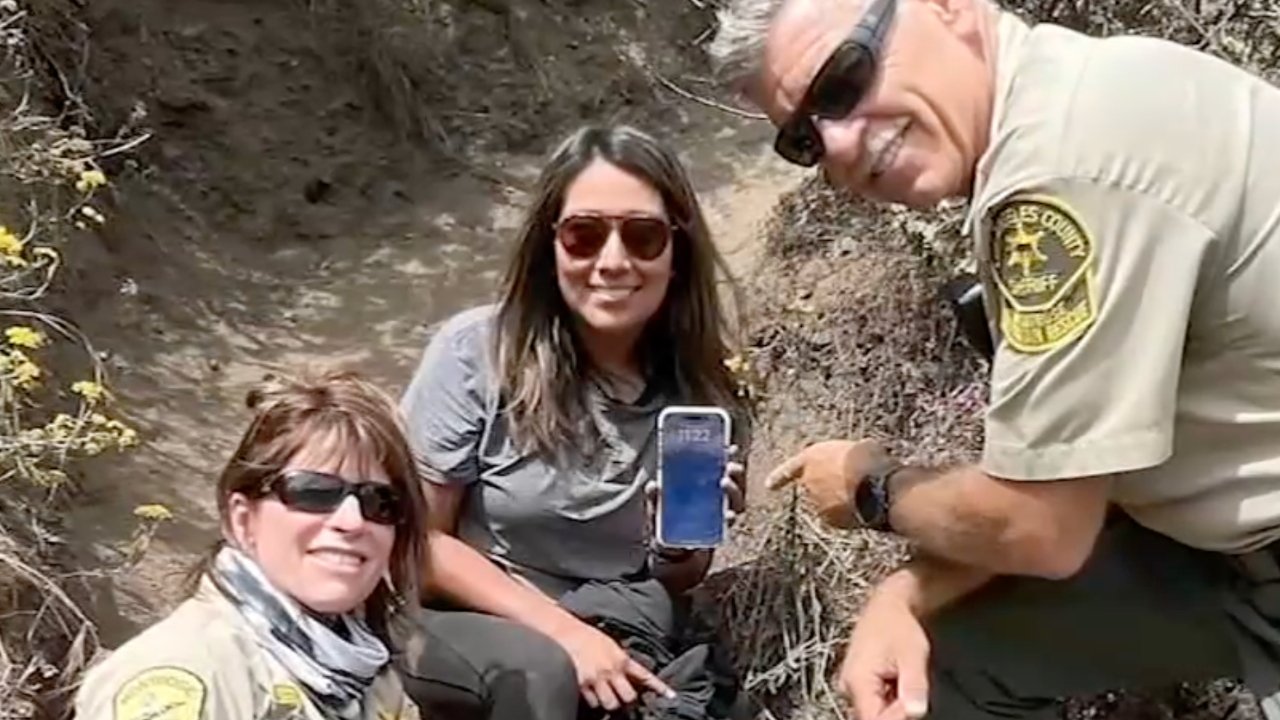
(289, 413)
(541, 365)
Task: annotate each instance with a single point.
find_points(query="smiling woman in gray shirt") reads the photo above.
(554, 523)
(535, 421)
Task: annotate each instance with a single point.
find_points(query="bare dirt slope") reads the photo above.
(327, 181)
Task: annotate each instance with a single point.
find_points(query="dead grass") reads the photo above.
(47, 638)
(855, 341)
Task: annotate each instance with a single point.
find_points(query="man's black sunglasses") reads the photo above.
(838, 87)
(317, 492)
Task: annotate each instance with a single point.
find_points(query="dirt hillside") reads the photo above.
(295, 181)
(328, 180)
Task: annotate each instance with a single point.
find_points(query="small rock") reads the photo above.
(316, 190)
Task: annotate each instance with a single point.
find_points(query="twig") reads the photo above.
(13, 19)
(704, 101)
(127, 146)
(67, 330)
(1205, 34)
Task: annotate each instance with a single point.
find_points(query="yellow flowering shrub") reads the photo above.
(55, 404)
(11, 248)
(90, 180)
(47, 422)
(743, 372)
(23, 336)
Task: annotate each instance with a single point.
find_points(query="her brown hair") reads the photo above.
(289, 413)
(541, 366)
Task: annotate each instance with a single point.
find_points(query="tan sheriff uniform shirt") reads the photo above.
(201, 663)
(1127, 223)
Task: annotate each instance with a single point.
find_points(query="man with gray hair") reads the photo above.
(1120, 527)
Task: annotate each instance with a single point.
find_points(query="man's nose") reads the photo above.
(843, 143)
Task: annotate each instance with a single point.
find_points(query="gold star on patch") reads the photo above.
(1024, 248)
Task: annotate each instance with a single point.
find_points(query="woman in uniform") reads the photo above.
(290, 614)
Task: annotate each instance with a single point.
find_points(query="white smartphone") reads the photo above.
(693, 451)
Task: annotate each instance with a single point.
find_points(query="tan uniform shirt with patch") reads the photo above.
(201, 663)
(1127, 223)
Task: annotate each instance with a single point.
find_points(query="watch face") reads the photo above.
(867, 502)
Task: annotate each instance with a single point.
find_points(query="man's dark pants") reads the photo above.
(1145, 612)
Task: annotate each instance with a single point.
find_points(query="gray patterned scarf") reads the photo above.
(335, 671)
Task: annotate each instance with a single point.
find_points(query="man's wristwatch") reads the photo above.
(871, 499)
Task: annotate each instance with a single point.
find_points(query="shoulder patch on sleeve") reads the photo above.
(286, 694)
(1043, 259)
(161, 693)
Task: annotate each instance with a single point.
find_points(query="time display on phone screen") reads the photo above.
(685, 434)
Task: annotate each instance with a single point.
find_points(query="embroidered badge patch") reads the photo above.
(1043, 261)
(161, 693)
(286, 702)
(286, 695)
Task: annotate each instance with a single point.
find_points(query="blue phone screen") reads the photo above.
(693, 460)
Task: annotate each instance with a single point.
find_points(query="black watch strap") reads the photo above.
(872, 499)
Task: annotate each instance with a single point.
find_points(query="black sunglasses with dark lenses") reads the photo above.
(317, 492)
(837, 88)
(583, 236)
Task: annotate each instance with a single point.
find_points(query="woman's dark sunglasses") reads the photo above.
(317, 492)
(837, 88)
(583, 236)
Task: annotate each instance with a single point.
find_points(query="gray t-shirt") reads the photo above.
(555, 524)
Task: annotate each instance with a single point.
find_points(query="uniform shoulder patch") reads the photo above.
(286, 702)
(286, 694)
(1043, 265)
(161, 693)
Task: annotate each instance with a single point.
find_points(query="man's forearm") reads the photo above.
(1030, 528)
(928, 584)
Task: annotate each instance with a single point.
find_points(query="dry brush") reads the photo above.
(55, 405)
